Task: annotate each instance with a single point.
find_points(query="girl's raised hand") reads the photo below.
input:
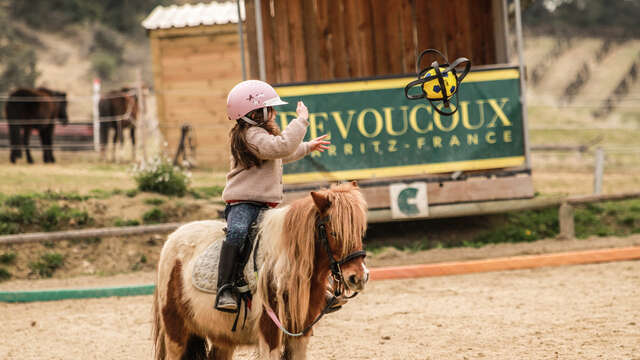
(302, 110)
(320, 144)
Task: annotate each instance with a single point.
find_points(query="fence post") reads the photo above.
(598, 171)
(96, 114)
(142, 133)
(565, 218)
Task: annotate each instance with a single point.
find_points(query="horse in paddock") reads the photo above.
(118, 110)
(295, 254)
(29, 109)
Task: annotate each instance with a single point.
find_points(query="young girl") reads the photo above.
(258, 150)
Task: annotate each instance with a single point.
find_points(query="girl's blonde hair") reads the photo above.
(244, 154)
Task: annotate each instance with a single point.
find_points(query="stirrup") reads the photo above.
(223, 288)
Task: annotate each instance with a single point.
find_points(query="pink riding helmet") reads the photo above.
(250, 95)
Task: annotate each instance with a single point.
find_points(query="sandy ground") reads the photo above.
(577, 312)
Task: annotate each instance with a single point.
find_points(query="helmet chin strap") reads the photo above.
(246, 119)
(265, 113)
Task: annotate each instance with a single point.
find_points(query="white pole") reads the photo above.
(263, 71)
(523, 85)
(96, 114)
(241, 33)
(141, 118)
(598, 172)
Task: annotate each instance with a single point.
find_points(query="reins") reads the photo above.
(336, 274)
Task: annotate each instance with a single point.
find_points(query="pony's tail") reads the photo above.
(159, 349)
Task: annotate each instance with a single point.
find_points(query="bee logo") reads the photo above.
(438, 82)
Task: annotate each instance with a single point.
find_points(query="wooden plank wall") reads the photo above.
(313, 40)
(194, 69)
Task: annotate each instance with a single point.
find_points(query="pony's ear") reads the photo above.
(354, 183)
(322, 201)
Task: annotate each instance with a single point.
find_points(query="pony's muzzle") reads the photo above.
(357, 280)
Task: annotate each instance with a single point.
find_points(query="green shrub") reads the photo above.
(81, 217)
(154, 201)
(4, 274)
(47, 265)
(154, 216)
(160, 176)
(57, 216)
(8, 258)
(7, 228)
(17, 201)
(132, 193)
(52, 217)
(26, 206)
(126, 222)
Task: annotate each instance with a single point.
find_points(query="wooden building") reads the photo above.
(196, 54)
(196, 61)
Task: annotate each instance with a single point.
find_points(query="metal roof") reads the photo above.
(188, 15)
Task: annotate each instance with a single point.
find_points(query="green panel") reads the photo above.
(376, 131)
(52, 295)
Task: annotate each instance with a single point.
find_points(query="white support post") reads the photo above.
(523, 84)
(260, 40)
(141, 120)
(598, 171)
(96, 114)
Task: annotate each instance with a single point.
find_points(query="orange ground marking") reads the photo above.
(508, 263)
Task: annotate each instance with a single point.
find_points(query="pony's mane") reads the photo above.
(289, 239)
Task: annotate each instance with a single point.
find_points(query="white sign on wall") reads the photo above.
(409, 200)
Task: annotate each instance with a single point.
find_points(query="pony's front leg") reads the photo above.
(174, 350)
(295, 348)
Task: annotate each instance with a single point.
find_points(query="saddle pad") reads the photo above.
(205, 270)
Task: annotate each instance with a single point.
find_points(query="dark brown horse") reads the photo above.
(118, 111)
(29, 109)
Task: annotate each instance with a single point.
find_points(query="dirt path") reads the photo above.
(577, 312)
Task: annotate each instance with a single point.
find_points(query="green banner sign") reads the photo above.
(375, 131)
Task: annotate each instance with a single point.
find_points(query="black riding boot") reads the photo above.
(226, 299)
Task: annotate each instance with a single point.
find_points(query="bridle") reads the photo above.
(336, 275)
(336, 265)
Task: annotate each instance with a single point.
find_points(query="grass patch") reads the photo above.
(154, 216)
(126, 222)
(8, 258)
(206, 192)
(101, 194)
(57, 216)
(154, 201)
(47, 265)
(87, 241)
(132, 193)
(616, 218)
(4, 274)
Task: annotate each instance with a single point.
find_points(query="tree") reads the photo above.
(17, 58)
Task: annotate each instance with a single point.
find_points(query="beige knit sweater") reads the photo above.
(264, 183)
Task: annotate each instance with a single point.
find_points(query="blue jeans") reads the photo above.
(239, 219)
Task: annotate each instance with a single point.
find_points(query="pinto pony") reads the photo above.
(39, 109)
(293, 265)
